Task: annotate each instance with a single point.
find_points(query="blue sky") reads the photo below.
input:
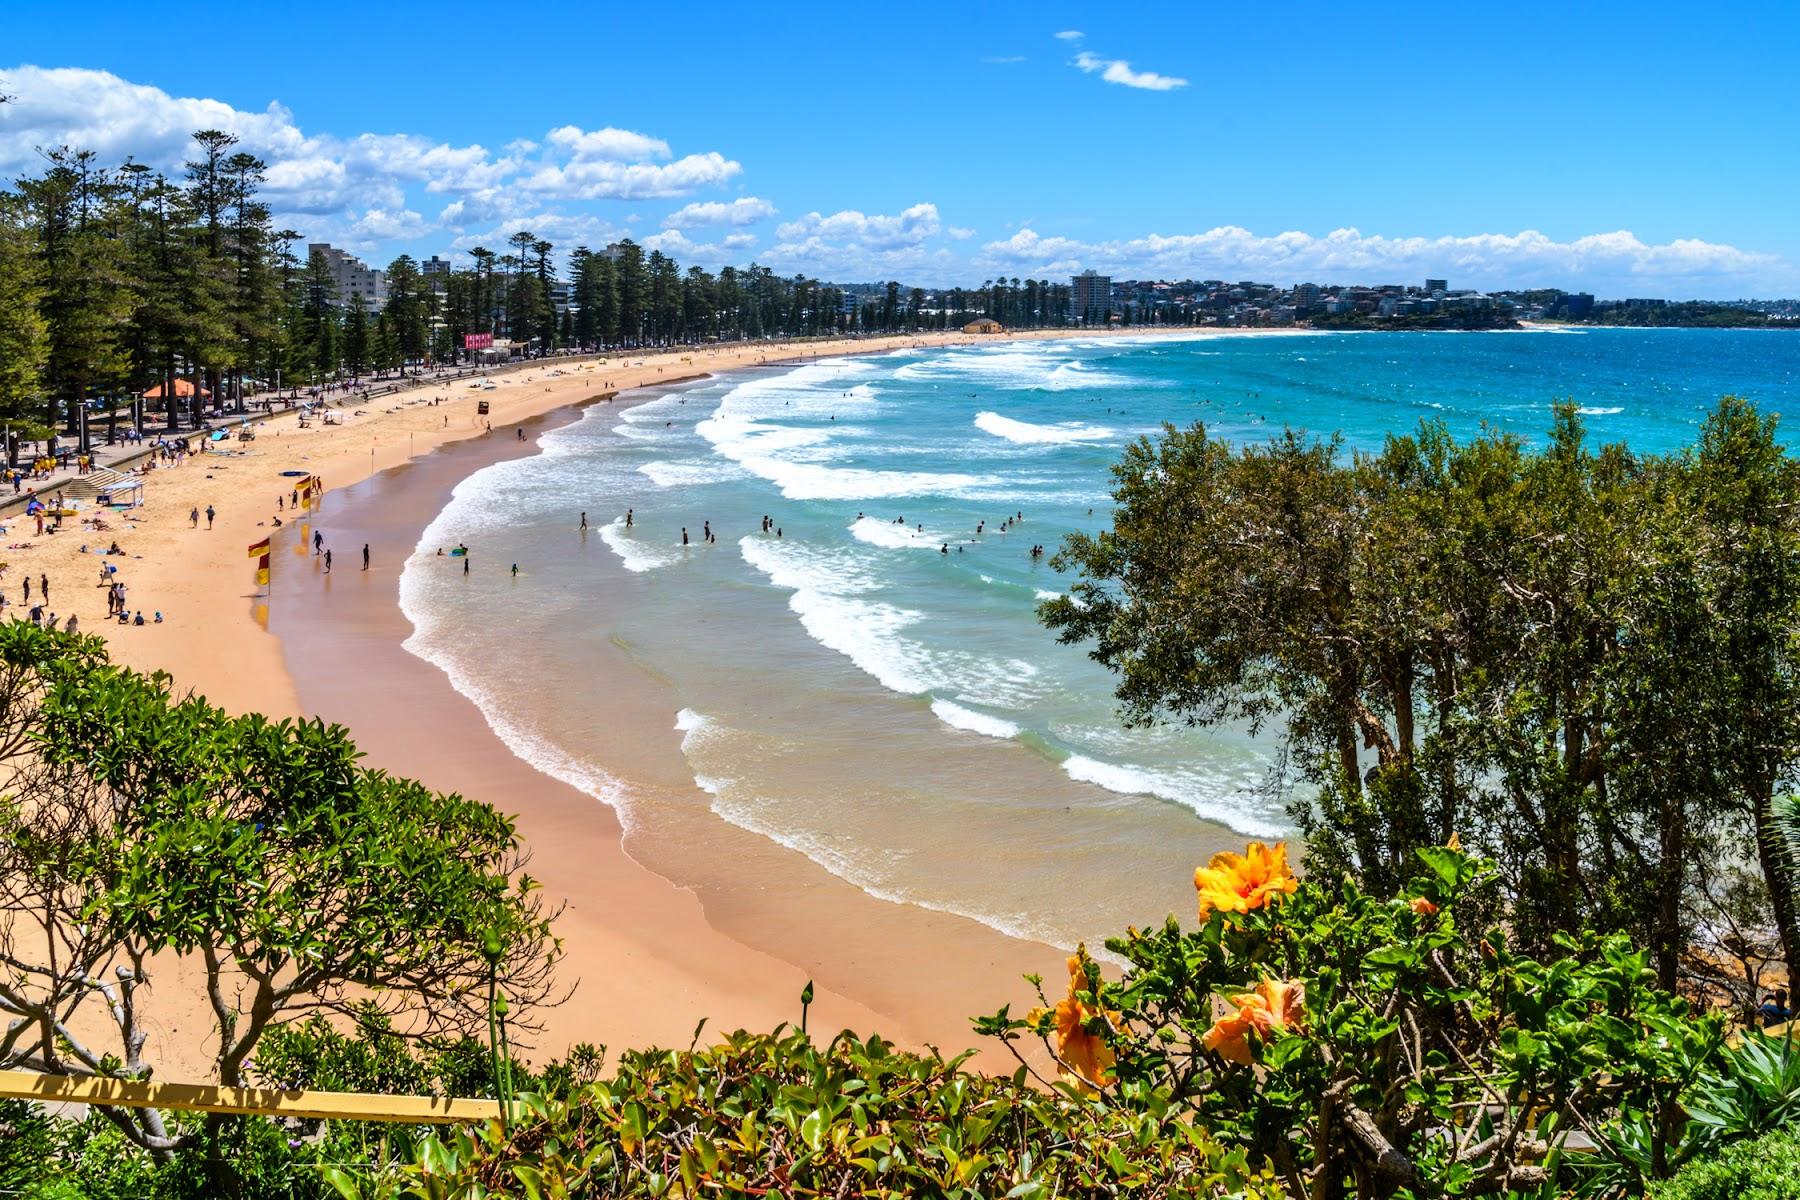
(1632, 149)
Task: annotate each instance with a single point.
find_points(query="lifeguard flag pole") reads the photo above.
(260, 552)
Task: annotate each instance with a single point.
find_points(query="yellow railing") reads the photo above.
(268, 1102)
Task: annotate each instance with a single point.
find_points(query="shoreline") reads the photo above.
(653, 955)
(919, 985)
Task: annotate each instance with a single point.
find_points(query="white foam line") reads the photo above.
(1137, 781)
(958, 717)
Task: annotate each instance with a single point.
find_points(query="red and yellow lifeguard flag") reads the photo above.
(260, 552)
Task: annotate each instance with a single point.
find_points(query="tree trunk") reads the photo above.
(1781, 873)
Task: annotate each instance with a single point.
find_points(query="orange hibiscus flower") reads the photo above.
(1273, 1005)
(1422, 906)
(1238, 883)
(1086, 1057)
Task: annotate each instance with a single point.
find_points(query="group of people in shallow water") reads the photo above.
(708, 537)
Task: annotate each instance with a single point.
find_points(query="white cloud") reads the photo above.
(851, 245)
(1070, 35)
(1117, 70)
(604, 179)
(617, 145)
(745, 210)
(361, 188)
(1003, 59)
(960, 233)
(379, 224)
(1613, 263)
(729, 249)
(908, 228)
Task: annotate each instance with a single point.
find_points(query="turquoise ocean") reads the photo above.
(871, 687)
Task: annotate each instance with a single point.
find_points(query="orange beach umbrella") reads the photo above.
(183, 388)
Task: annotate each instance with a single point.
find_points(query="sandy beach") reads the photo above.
(751, 922)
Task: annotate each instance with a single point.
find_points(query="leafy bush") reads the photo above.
(1767, 1168)
(1377, 1047)
(781, 1115)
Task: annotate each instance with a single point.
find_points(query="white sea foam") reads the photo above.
(957, 716)
(1599, 412)
(1026, 434)
(752, 427)
(689, 473)
(833, 597)
(825, 598)
(636, 555)
(891, 536)
(1211, 799)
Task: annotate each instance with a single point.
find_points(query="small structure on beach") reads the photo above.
(182, 390)
(984, 325)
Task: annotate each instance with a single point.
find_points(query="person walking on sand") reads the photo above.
(365, 556)
(318, 542)
(465, 558)
(209, 516)
(328, 562)
(584, 522)
(27, 599)
(44, 587)
(194, 518)
(515, 570)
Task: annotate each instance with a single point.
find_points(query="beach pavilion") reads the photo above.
(183, 390)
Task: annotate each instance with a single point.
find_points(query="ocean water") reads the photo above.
(869, 686)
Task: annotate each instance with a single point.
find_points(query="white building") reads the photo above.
(351, 277)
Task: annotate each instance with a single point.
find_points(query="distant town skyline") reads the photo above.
(1564, 149)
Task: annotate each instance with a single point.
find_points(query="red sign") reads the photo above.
(478, 341)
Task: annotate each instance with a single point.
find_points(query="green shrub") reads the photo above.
(781, 1115)
(1767, 1168)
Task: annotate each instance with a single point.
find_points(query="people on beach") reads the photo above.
(628, 518)
(209, 522)
(365, 556)
(515, 571)
(318, 542)
(193, 519)
(328, 562)
(584, 522)
(684, 537)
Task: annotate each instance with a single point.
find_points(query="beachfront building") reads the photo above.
(984, 325)
(1091, 298)
(351, 277)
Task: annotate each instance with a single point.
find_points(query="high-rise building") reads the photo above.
(1436, 287)
(1306, 295)
(351, 277)
(435, 266)
(1091, 298)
